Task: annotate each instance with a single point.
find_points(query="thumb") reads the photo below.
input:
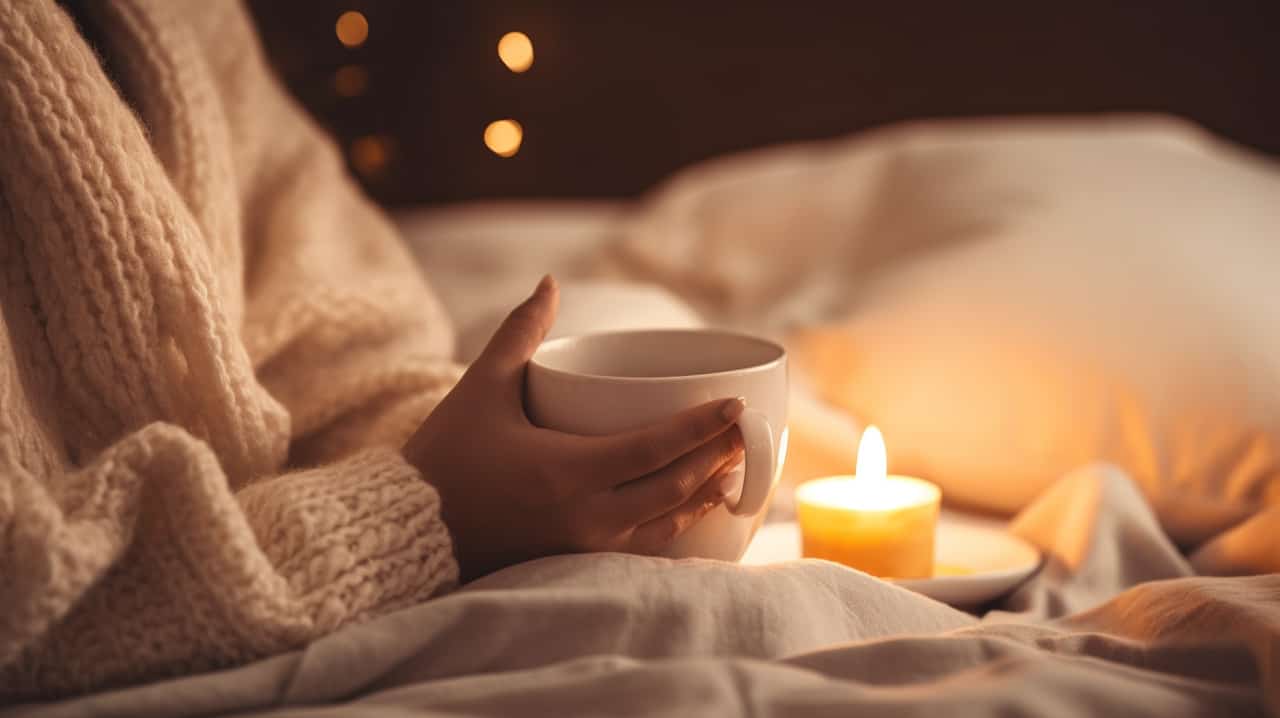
(522, 331)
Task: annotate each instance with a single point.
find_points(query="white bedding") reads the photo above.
(1097, 632)
(1117, 621)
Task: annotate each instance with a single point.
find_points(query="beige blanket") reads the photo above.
(1112, 625)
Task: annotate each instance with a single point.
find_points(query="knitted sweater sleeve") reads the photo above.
(142, 565)
(338, 320)
(184, 339)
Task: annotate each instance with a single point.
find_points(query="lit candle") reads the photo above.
(871, 521)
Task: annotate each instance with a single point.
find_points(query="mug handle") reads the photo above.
(757, 478)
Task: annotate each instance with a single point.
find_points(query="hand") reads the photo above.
(512, 491)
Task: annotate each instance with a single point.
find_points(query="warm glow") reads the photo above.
(871, 488)
(872, 460)
(352, 28)
(515, 49)
(504, 137)
(866, 495)
(350, 81)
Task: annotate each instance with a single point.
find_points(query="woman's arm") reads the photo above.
(188, 317)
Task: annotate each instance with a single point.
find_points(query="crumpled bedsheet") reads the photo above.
(1114, 623)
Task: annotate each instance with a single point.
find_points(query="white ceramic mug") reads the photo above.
(615, 381)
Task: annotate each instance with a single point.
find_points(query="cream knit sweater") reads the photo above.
(211, 348)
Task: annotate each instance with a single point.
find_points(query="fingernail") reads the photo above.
(545, 285)
(733, 408)
(728, 483)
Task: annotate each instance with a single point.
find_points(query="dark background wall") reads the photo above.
(622, 93)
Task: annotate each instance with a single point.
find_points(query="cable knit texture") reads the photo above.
(211, 348)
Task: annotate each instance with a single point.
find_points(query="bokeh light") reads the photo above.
(371, 154)
(515, 49)
(352, 28)
(350, 81)
(503, 137)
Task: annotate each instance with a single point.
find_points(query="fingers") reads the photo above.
(619, 458)
(655, 535)
(666, 490)
(522, 331)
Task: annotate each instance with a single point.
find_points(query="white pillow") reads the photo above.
(484, 258)
(1010, 300)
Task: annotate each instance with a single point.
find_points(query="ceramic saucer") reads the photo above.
(976, 558)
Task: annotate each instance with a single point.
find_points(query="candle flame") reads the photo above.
(871, 489)
(872, 460)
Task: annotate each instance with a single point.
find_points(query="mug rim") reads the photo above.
(550, 344)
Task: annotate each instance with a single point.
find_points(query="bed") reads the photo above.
(1070, 324)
